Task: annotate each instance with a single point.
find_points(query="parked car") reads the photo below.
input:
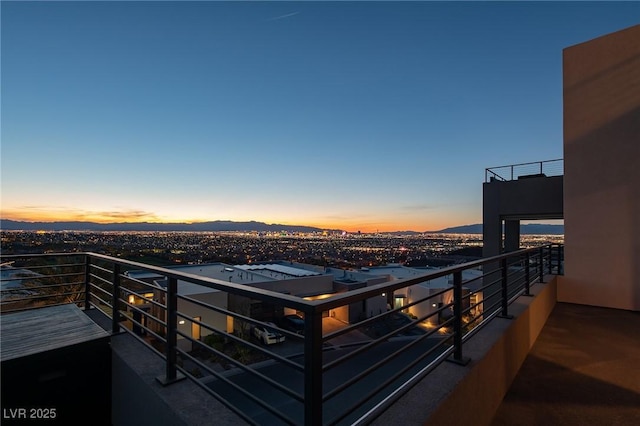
(267, 334)
(293, 323)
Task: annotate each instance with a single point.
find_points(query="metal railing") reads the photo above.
(525, 170)
(315, 377)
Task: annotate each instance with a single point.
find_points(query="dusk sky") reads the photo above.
(361, 116)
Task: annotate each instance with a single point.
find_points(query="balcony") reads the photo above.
(581, 370)
(209, 365)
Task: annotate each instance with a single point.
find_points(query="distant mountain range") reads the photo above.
(227, 225)
(218, 225)
(529, 229)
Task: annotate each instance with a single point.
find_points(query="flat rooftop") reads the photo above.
(278, 271)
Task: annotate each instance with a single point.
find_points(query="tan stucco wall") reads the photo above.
(601, 80)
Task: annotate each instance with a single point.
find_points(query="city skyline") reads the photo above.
(356, 116)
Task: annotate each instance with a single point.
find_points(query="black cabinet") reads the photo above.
(55, 368)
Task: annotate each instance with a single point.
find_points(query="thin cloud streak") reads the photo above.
(62, 213)
(277, 18)
(125, 214)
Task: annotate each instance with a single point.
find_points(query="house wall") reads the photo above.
(209, 316)
(601, 80)
(376, 306)
(425, 308)
(343, 314)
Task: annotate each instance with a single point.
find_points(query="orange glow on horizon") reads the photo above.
(371, 226)
(46, 216)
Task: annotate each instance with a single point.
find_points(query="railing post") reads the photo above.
(457, 320)
(505, 293)
(172, 318)
(560, 258)
(171, 300)
(87, 282)
(115, 310)
(312, 368)
(541, 264)
(527, 276)
(550, 254)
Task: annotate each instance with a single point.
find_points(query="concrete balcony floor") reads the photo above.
(584, 368)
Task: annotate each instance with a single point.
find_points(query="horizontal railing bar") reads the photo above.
(100, 268)
(376, 365)
(235, 288)
(234, 338)
(159, 321)
(95, 287)
(96, 306)
(549, 166)
(373, 343)
(402, 390)
(42, 277)
(217, 309)
(485, 319)
(151, 301)
(479, 277)
(253, 372)
(142, 312)
(515, 296)
(139, 281)
(513, 273)
(525, 164)
(39, 287)
(26, 308)
(217, 395)
(273, 355)
(146, 329)
(490, 308)
(491, 295)
(38, 267)
(40, 296)
(481, 289)
(301, 304)
(141, 340)
(104, 302)
(251, 396)
(375, 390)
(366, 292)
(99, 278)
(468, 309)
(472, 319)
(38, 255)
(370, 320)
